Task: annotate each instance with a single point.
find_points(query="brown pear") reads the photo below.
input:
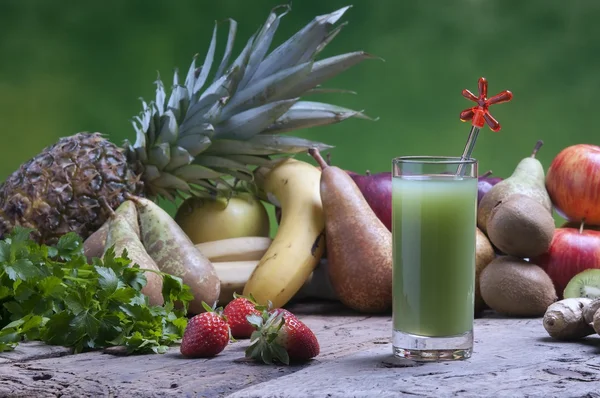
(95, 243)
(359, 246)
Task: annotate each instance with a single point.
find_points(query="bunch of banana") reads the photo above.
(293, 186)
(277, 270)
(236, 259)
(245, 248)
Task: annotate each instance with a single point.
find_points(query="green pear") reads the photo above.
(528, 179)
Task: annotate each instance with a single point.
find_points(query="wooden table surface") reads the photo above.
(512, 358)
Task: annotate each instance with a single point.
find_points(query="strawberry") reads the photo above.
(237, 311)
(206, 334)
(281, 336)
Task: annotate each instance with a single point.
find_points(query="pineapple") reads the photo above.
(191, 143)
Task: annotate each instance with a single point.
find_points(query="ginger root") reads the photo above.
(590, 310)
(596, 321)
(564, 319)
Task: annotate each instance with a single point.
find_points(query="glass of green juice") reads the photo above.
(434, 215)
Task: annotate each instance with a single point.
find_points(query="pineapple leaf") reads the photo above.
(194, 143)
(253, 160)
(199, 187)
(247, 124)
(263, 41)
(301, 47)
(197, 112)
(272, 87)
(159, 155)
(226, 166)
(325, 69)
(178, 102)
(238, 67)
(169, 130)
(140, 136)
(322, 90)
(171, 182)
(160, 96)
(194, 172)
(220, 87)
(190, 79)
(205, 70)
(141, 154)
(228, 47)
(264, 144)
(217, 161)
(206, 129)
(329, 38)
(179, 157)
(151, 172)
(305, 114)
(243, 175)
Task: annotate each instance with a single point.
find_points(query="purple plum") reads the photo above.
(484, 183)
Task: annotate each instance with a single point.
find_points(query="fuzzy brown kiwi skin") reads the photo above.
(514, 287)
(483, 256)
(520, 226)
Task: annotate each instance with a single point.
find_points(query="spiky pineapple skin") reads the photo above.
(63, 188)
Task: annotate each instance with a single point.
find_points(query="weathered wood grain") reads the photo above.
(340, 332)
(32, 350)
(513, 358)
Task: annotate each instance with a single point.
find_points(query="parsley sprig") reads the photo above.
(52, 294)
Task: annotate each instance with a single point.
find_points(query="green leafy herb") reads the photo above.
(51, 293)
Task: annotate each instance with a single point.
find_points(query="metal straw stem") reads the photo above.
(469, 146)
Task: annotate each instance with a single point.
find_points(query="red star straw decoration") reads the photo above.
(480, 114)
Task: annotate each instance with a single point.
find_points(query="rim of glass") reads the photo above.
(434, 160)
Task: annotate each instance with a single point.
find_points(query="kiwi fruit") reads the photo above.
(514, 287)
(520, 226)
(584, 284)
(484, 254)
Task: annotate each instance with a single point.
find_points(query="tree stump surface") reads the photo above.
(512, 358)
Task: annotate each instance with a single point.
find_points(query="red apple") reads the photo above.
(377, 190)
(573, 183)
(571, 252)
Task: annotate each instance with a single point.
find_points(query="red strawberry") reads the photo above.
(280, 335)
(236, 312)
(205, 335)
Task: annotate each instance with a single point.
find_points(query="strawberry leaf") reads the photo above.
(267, 354)
(280, 353)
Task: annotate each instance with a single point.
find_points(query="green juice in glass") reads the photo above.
(434, 219)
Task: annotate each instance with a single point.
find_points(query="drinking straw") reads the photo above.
(480, 115)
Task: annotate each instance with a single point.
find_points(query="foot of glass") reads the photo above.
(424, 348)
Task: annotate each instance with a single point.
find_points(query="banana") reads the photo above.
(233, 276)
(292, 185)
(235, 249)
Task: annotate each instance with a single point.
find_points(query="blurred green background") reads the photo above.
(70, 66)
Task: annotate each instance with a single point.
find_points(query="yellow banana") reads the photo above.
(235, 249)
(233, 276)
(292, 185)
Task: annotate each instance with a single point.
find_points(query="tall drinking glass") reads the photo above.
(434, 230)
